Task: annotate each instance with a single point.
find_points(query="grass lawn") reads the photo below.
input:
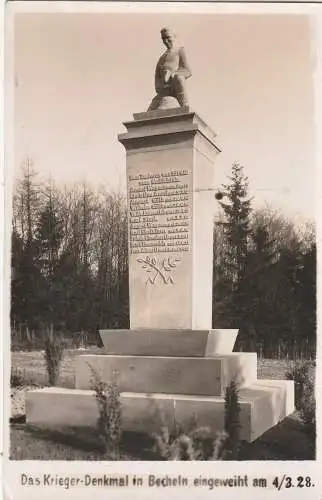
(287, 441)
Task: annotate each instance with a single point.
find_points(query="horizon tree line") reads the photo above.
(69, 263)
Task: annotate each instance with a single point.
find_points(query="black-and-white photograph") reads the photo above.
(163, 239)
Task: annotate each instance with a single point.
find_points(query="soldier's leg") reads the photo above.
(179, 87)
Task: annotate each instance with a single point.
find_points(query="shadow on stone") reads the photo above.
(138, 446)
(82, 438)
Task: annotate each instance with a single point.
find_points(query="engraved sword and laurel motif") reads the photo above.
(161, 270)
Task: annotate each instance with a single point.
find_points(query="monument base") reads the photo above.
(167, 374)
(176, 342)
(158, 390)
(263, 405)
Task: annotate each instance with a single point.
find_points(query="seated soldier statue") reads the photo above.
(171, 73)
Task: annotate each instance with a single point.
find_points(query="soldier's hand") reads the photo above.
(167, 75)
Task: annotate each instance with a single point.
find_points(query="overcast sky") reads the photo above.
(79, 76)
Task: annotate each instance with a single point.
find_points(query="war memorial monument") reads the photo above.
(170, 361)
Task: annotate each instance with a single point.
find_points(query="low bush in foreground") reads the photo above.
(304, 381)
(109, 421)
(232, 422)
(193, 442)
(54, 351)
(189, 443)
(16, 377)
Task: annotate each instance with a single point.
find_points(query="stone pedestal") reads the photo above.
(170, 363)
(169, 375)
(170, 158)
(263, 405)
(157, 342)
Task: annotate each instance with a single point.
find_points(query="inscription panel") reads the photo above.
(159, 212)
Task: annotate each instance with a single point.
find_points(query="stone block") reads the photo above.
(155, 342)
(273, 400)
(152, 342)
(58, 406)
(263, 405)
(221, 341)
(159, 113)
(170, 176)
(148, 374)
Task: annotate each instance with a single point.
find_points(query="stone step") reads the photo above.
(263, 405)
(171, 375)
(154, 342)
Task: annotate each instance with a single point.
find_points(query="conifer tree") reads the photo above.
(236, 227)
(49, 235)
(237, 210)
(25, 305)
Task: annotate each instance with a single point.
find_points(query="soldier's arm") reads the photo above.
(158, 83)
(184, 68)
